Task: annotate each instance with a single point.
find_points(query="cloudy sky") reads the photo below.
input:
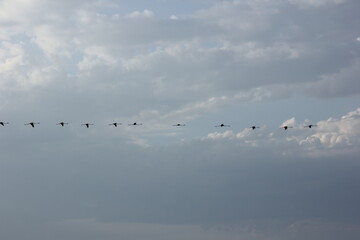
(268, 63)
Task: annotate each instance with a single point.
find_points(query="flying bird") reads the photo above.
(3, 123)
(32, 124)
(285, 127)
(254, 127)
(134, 124)
(87, 124)
(179, 125)
(222, 125)
(310, 126)
(62, 123)
(114, 124)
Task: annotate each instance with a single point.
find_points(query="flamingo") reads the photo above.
(87, 124)
(115, 124)
(62, 123)
(222, 125)
(285, 127)
(134, 124)
(3, 123)
(310, 126)
(254, 127)
(32, 124)
(179, 125)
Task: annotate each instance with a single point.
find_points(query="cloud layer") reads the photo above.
(200, 63)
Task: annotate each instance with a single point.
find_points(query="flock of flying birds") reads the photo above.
(115, 124)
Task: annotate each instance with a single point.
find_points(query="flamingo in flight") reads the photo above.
(134, 124)
(87, 124)
(222, 125)
(32, 124)
(115, 124)
(62, 123)
(3, 123)
(285, 127)
(179, 125)
(310, 126)
(254, 127)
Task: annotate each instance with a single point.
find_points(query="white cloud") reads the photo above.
(96, 55)
(12, 56)
(338, 133)
(136, 63)
(332, 136)
(19, 11)
(271, 53)
(220, 135)
(20, 70)
(193, 110)
(289, 122)
(51, 41)
(137, 14)
(173, 17)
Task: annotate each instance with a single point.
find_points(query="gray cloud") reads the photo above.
(193, 55)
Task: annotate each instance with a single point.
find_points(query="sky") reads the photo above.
(163, 62)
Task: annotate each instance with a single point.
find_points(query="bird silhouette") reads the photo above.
(285, 127)
(222, 125)
(62, 123)
(3, 123)
(179, 125)
(134, 124)
(87, 124)
(32, 124)
(115, 124)
(310, 126)
(254, 127)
